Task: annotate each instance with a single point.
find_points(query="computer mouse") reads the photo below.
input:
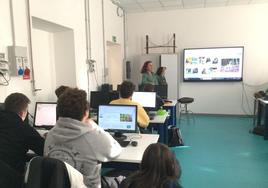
(134, 143)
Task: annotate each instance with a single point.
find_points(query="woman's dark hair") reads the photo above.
(72, 103)
(144, 67)
(160, 70)
(60, 90)
(16, 102)
(158, 166)
(126, 90)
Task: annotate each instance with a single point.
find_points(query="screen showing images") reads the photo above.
(118, 117)
(213, 64)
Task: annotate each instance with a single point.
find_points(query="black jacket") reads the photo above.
(16, 138)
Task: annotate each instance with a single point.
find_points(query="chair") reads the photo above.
(9, 177)
(44, 172)
(184, 101)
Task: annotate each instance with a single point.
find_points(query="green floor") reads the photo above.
(220, 152)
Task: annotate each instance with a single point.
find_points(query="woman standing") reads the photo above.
(160, 74)
(148, 77)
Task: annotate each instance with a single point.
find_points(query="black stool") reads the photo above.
(184, 101)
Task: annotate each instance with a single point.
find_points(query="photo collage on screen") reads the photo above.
(213, 63)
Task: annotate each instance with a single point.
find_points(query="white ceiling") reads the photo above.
(132, 6)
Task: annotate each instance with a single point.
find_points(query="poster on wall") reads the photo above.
(213, 64)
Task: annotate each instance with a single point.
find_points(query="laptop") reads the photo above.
(45, 115)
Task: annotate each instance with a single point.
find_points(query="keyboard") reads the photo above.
(123, 143)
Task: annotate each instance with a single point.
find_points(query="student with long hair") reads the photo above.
(159, 169)
(148, 76)
(160, 75)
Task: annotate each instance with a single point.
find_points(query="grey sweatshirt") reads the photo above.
(83, 146)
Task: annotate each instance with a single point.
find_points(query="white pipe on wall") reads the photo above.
(104, 45)
(29, 21)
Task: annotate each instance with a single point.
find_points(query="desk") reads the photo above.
(131, 154)
(131, 157)
(263, 105)
(160, 122)
(171, 107)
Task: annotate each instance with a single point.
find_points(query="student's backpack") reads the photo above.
(175, 138)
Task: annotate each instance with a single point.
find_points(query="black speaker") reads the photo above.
(128, 70)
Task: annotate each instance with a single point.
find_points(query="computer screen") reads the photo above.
(161, 90)
(45, 114)
(146, 99)
(118, 118)
(102, 98)
(213, 64)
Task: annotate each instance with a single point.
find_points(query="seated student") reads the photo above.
(126, 92)
(16, 136)
(159, 101)
(60, 90)
(79, 141)
(158, 169)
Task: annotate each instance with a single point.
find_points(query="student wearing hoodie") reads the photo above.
(79, 141)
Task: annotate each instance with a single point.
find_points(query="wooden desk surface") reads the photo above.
(172, 103)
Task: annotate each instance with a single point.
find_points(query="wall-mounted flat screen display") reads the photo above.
(213, 64)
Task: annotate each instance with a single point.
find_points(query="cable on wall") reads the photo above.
(29, 34)
(12, 23)
(104, 43)
(88, 42)
(6, 82)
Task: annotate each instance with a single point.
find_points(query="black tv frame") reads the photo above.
(213, 80)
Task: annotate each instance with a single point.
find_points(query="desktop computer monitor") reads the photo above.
(118, 119)
(113, 95)
(45, 114)
(102, 98)
(146, 99)
(161, 90)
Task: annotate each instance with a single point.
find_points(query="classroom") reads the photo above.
(95, 44)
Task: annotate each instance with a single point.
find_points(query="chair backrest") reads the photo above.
(9, 177)
(44, 172)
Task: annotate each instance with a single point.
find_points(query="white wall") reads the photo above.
(115, 64)
(16, 84)
(69, 14)
(210, 27)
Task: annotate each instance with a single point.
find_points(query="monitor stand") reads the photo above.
(119, 136)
